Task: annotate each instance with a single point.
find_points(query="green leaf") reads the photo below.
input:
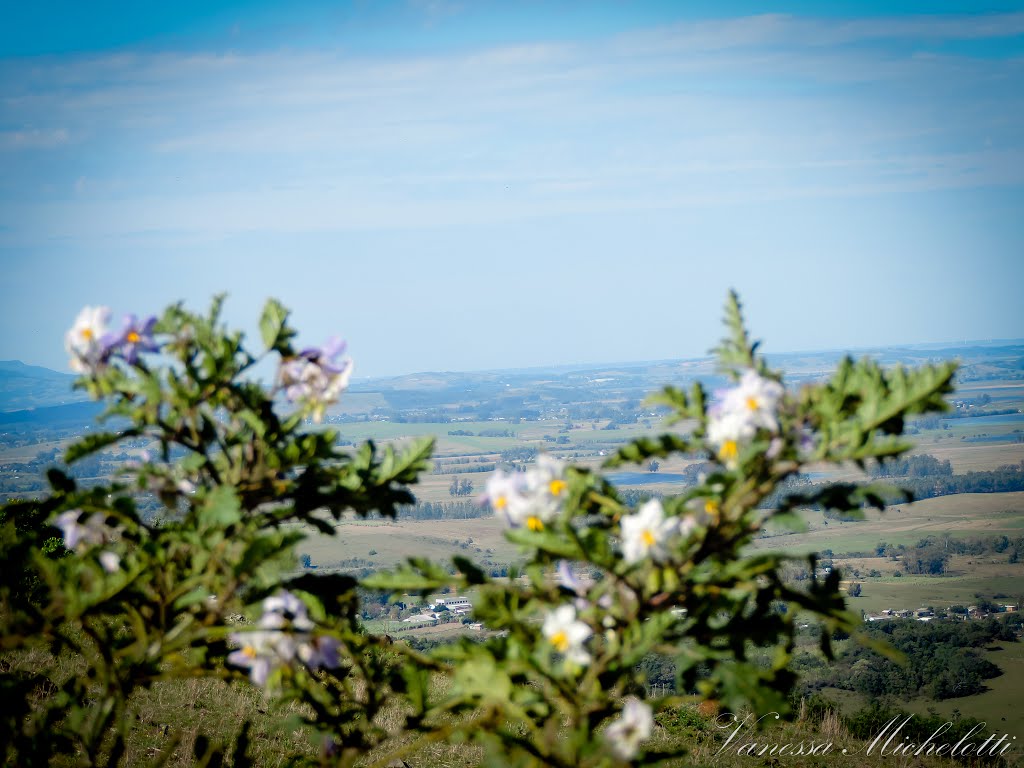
(546, 541)
(469, 570)
(276, 334)
(59, 481)
(221, 508)
(419, 575)
(192, 597)
(846, 497)
(644, 448)
(480, 679)
(95, 442)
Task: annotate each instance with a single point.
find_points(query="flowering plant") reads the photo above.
(241, 476)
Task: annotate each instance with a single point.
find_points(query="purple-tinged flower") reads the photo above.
(133, 338)
(92, 533)
(283, 634)
(321, 652)
(316, 377)
(327, 356)
(568, 580)
(285, 610)
(330, 746)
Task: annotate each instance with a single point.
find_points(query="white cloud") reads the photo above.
(33, 138)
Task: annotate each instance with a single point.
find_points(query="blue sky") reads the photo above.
(467, 185)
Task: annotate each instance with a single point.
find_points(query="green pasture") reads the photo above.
(961, 516)
(999, 706)
(392, 542)
(912, 592)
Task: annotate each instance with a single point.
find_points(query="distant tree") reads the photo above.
(854, 590)
(653, 466)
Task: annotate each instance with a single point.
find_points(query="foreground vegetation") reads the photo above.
(129, 607)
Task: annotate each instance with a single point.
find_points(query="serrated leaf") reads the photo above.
(95, 442)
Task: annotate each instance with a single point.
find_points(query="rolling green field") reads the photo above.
(999, 706)
(960, 516)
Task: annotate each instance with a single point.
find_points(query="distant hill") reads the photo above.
(24, 387)
(67, 416)
(31, 386)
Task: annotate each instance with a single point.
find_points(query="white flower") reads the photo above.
(646, 533)
(85, 341)
(546, 481)
(757, 397)
(504, 491)
(566, 634)
(742, 410)
(632, 727)
(728, 431)
(110, 561)
(285, 610)
(261, 652)
(532, 498)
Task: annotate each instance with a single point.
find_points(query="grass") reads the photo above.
(911, 592)
(961, 516)
(999, 706)
(393, 541)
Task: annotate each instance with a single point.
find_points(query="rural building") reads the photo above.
(456, 604)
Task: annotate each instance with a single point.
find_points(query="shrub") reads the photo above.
(242, 472)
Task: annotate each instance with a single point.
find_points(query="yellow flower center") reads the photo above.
(87, 333)
(534, 523)
(249, 651)
(500, 502)
(647, 537)
(711, 507)
(561, 641)
(752, 403)
(729, 450)
(556, 487)
(132, 337)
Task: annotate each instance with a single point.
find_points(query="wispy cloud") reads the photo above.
(707, 113)
(33, 138)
